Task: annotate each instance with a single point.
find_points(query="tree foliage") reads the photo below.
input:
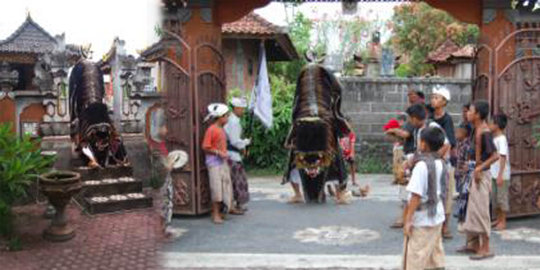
(299, 32)
(419, 29)
(266, 150)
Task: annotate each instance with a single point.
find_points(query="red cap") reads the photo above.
(392, 123)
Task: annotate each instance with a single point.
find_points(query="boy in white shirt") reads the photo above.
(425, 213)
(500, 171)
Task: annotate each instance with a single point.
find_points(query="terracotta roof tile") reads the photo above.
(251, 24)
(443, 52)
(465, 52)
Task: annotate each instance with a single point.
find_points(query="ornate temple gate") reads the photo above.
(516, 92)
(188, 92)
(194, 76)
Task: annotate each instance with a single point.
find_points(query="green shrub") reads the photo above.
(371, 160)
(20, 163)
(373, 165)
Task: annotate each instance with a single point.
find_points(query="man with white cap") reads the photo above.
(236, 146)
(215, 147)
(439, 100)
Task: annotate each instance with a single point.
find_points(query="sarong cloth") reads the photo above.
(424, 249)
(239, 183)
(478, 220)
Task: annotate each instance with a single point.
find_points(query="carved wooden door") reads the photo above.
(178, 107)
(209, 88)
(517, 94)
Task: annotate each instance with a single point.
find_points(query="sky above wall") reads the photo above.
(275, 12)
(99, 21)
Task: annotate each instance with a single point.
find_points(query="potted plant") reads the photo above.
(20, 163)
(59, 187)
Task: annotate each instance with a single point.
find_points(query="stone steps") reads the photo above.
(111, 186)
(96, 205)
(111, 189)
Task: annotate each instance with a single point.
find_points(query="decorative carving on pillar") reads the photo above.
(206, 15)
(51, 77)
(489, 15)
(511, 15)
(131, 95)
(8, 79)
(184, 15)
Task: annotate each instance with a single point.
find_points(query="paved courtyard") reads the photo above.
(276, 235)
(272, 235)
(109, 241)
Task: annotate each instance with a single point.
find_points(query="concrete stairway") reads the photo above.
(111, 189)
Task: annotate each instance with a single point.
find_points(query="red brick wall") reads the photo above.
(7, 111)
(32, 113)
(250, 49)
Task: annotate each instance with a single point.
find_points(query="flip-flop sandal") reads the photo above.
(465, 250)
(236, 212)
(447, 236)
(480, 257)
(396, 225)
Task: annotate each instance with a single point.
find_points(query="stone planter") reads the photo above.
(59, 187)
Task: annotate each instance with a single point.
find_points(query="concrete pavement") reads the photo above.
(276, 235)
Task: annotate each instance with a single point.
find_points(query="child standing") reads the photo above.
(464, 169)
(161, 166)
(398, 155)
(215, 146)
(439, 101)
(407, 133)
(478, 221)
(500, 171)
(424, 213)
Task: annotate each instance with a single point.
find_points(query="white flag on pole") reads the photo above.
(261, 96)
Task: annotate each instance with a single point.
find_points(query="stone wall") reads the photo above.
(371, 102)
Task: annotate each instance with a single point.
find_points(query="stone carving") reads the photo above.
(51, 77)
(387, 62)
(8, 78)
(131, 80)
(489, 15)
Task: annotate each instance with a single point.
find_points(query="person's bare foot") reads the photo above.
(296, 199)
(92, 164)
(501, 226)
(217, 219)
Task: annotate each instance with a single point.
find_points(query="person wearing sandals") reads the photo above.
(236, 146)
(477, 224)
(425, 213)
